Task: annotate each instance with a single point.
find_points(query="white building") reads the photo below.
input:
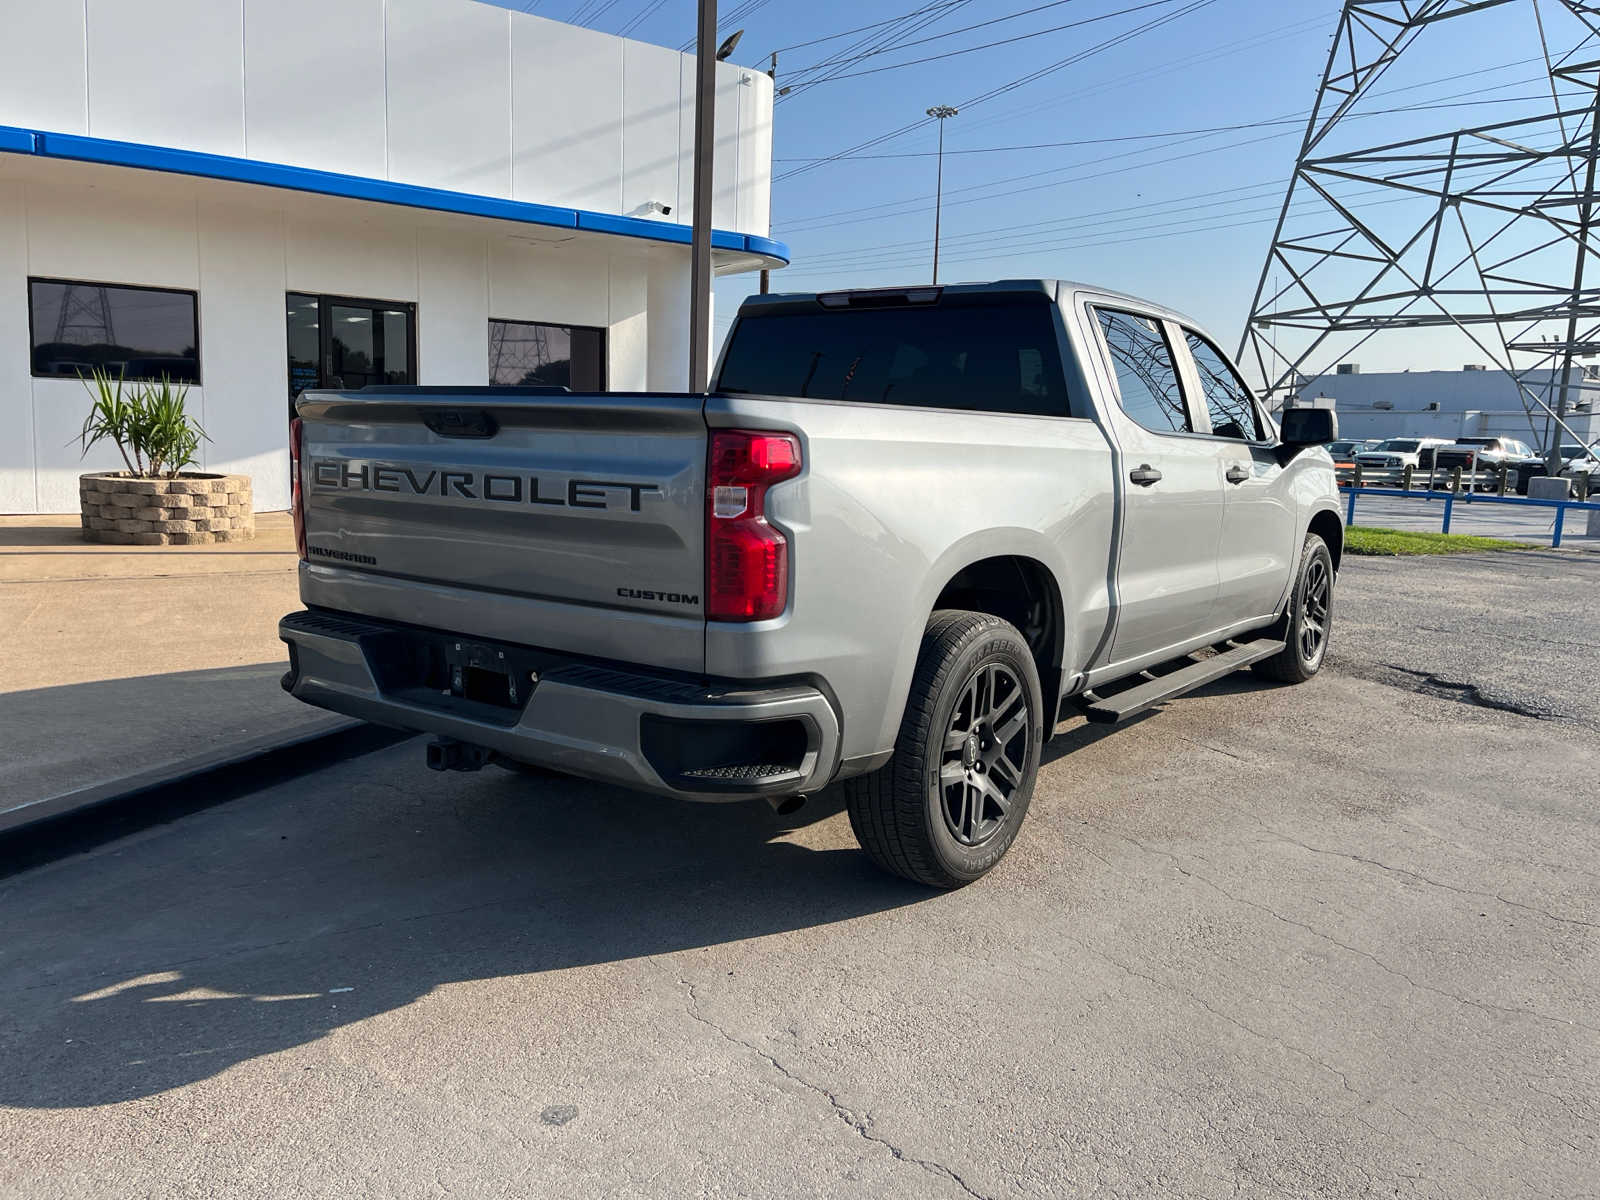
(1472, 402)
(262, 195)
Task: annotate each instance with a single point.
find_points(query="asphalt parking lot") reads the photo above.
(1335, 940)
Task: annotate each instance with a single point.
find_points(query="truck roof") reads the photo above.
(929, 293)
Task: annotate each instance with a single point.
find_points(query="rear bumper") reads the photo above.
(701, 740)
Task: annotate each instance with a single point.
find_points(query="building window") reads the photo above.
(135, 332)
(345, 343)
(527, 354)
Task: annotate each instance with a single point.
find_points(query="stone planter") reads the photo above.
(191, 510)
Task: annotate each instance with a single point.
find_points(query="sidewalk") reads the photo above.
(119, 659)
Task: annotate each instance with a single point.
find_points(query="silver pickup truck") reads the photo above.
(906, 532)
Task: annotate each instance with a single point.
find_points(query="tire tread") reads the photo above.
(885, 806)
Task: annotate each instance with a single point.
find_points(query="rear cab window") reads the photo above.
(1001, 356)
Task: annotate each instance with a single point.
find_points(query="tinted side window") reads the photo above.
(135, 332)
(1233, 413)
(1147, 379)
(997, 358)
(526, 353)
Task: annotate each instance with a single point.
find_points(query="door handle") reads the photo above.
(1237, 474)
(1144, 475)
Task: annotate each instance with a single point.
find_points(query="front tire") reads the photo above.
(1309, 620)
(947, 806)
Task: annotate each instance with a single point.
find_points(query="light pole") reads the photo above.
(940, 112)
(705, 124)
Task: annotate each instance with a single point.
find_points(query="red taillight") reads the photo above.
(297, 499)
(747, 560)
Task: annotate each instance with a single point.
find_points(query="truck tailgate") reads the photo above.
(526, 512)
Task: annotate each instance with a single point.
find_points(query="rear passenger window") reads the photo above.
(993, 358)
(1147, 379)
(1233, 412)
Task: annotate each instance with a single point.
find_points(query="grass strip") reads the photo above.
(1362, 539)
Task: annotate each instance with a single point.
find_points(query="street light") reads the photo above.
(939, 112)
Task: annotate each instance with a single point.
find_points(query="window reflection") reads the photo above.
(139, 333)
(532, 354)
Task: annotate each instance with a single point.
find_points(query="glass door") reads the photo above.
(345, 343)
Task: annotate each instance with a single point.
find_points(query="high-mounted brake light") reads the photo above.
(297, 497)
(747, 560)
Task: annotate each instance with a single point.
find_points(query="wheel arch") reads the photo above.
(1327, 525)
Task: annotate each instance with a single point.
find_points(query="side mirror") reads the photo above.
(1302, 427)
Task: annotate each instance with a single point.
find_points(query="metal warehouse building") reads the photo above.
(1471, 402)
(259, 196)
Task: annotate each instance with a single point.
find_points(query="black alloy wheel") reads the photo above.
(948, 804)
(1308, 623)
(986, 749)
(1316, 594)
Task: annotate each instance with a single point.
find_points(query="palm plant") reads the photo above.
(147, 422)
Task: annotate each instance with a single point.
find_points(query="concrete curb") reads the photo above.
(91, 815)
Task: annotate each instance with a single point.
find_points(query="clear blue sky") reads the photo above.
(1139, 200)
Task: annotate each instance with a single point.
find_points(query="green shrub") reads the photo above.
(146, 421)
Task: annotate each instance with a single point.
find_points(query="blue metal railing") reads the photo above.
(1450, 498)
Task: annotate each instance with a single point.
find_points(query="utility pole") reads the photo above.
(705, 94)
(940, 112)
(772, 74)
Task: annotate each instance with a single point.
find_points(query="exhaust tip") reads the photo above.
(784, 805)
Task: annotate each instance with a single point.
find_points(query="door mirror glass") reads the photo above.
(1309, 426)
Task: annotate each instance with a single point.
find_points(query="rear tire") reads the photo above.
(1309, 620)
(947, 806)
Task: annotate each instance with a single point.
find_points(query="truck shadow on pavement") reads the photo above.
(264, 924)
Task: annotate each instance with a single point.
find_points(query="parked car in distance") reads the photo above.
(1344, 454)
(1387, 461)
(1480, 458)
(1576, 460)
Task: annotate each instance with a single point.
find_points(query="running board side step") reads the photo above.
(1108, 710)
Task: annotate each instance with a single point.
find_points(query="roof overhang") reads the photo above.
(737, 251)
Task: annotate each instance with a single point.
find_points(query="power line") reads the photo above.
(1298, 120)
(1021, 37)
(651, 8)
(1020, 81)
(889, 39)
(827, 219)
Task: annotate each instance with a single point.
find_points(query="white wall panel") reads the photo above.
(370, 261)
(171, 74)
(667, 353)
(244, 406)
(314, 93)
(41, 65)
(450, 95)
(452, 309)
(112, 231)
(627, 341)
(17, 493)
(725, 169)
(566, 122)
(561, 284)
(755, 156)
(656, 158)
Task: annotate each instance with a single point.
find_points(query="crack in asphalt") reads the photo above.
(1420, 878)
(861, 1124)
(1429, 684)
(1482, 1006)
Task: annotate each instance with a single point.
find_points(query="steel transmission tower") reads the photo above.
(1488, 230)
(518, 348)
(85, 318)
